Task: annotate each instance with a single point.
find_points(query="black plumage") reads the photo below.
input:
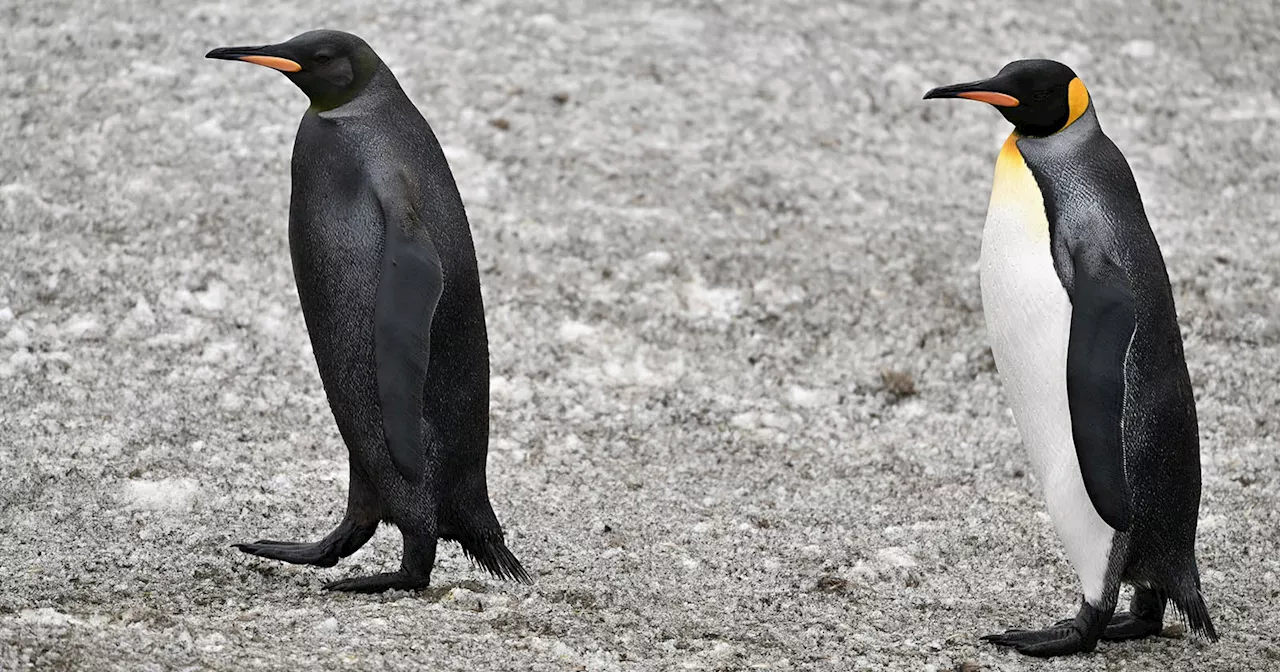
(387, 277)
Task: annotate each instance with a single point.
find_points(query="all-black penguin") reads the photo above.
(386, 273)
(1081, 320)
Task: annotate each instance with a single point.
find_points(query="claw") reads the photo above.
(380, 582)
(1041, 643)
(1077, 635)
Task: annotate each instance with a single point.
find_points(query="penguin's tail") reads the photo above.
(490, 552)
(1190, 603)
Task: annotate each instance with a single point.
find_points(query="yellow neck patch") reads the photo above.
(1016, 201)
(1077, 100)
(1010, 158)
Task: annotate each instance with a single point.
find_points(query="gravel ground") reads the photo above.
(744, 415)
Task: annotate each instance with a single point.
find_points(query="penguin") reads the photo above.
(1082, 325)
(390, 291)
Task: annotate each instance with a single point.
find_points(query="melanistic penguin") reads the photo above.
(1082, 325)
(387, 277)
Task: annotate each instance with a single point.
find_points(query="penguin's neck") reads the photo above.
(1016, 209)
(1080, 122)
(381, 90)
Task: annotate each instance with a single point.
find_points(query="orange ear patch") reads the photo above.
(991, 97)
(281, 64)
(1077, 100)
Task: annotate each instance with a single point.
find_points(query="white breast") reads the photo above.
(1028, 317)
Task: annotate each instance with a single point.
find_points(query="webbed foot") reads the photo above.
(1054, 641)
(380, 582)
(1144, 618)
(1078, 635)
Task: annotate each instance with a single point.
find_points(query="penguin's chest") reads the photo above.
(1028, 314)
(336, 241)
(336, 244)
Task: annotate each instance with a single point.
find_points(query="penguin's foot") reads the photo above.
(1130, 626)
(381, 582)
(415, 566)
(347, 538)
(1078, 635)
(319, 554)
(1055, 641)
(1144, 618)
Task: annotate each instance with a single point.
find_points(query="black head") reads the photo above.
(1038, 97)
(330, 66)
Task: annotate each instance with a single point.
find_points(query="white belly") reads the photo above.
(1028, 319)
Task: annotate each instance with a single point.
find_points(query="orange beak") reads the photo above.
(991, 97)
(256, 55)
(979, 91)
(281, 64)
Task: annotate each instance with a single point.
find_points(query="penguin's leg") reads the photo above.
(1080, 635)
(414, 512)
(356, 528)
(1144, 618)
(415, 566)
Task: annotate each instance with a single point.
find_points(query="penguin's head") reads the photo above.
(1039, 97)
(330, 66)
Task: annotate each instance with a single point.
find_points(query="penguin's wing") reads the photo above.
(409, 288)
(1102, 324)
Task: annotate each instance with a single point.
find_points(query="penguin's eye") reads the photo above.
(322, 59)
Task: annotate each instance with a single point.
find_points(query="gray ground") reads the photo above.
(705, 230)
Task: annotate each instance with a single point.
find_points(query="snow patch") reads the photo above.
(21, 359)
(503, 390)
(47, 616)
(775, 420)
(169, 494)
(140, 316)
(230, 401)
(720, 303)
(910, 410)
(142, 313)
(214, 297)
(575, 331)
(806, 398)
(570, 444)
(637, 372)
(218, 352)
(212, 643)
(17, 336)
(83, 328)
(657, 260)
(775, 298)
(480, 181)
(1139, 49)
(894, 556)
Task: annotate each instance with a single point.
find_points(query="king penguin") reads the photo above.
(387, 277)
(1085, 337)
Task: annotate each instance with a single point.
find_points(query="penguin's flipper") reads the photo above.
(1102, 324)
(409, 288)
